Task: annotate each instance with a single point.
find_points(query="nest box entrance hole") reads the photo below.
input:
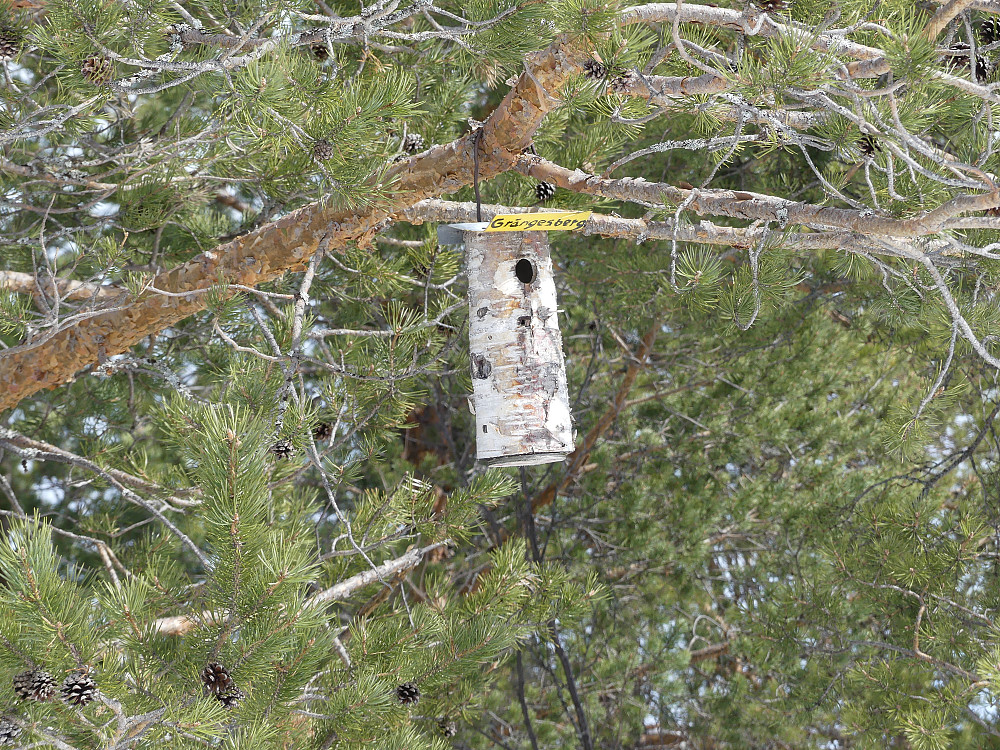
(524, 269)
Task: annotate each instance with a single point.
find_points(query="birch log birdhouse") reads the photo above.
(519, 391)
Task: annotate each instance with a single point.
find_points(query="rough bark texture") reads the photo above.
(944, 16)
(515, 349)
(287, 244)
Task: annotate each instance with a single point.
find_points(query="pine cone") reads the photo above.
(9, 732)
(231, 698)
(868, 145)
(594, 69)
(322, 431)
(544, 191)
(960, 60)
(34, 685)
(772, 6)
(10, 42)
(322, 149)
(97, 69)
(963, 61)
(620, 84)
(216, 678)
(989, 32)
(282, 449)
(79, 689)
(447, 728)
(408, 693)
(984, 68)
(319, 50)
(413, 143)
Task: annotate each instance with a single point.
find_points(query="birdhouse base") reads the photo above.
(526, 459)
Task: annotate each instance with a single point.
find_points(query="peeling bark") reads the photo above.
(518, 373)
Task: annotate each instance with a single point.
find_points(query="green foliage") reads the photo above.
(791, 64)
(910, 53)
(13, 314)
(623, 49)
(700, 276)
(591, 19)
(499, 48)
(778, 530)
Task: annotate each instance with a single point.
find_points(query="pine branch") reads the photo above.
(709, 652)
(30, 449)
(751, 22)
(755, 206)
(704, 232)
(667, 91)
(344, 589)
(10, 440)
(869, 62)
(182, 624)
(288, 243)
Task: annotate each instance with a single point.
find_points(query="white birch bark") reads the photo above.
(519, 389)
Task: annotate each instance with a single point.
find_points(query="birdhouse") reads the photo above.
(519, 391)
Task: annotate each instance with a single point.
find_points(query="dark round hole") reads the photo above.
(524, 271)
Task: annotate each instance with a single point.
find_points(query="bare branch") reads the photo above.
(704, 232)
(754, 206)
(181, 624)
(30, 449)
(344, 589)
(68, 289)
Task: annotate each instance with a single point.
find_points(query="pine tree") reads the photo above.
(239, 497)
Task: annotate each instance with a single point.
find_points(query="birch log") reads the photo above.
(519, 389)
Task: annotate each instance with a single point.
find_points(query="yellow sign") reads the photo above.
(563, 220)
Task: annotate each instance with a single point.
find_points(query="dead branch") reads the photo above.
(704, 232)
(389, 569)
(288, 243)
(29, 449)
(754, 206)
